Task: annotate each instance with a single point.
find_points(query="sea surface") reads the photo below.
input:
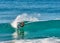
(41, 18)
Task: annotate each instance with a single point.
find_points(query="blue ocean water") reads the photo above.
(44, 16)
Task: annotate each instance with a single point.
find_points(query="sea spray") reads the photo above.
(22, 18)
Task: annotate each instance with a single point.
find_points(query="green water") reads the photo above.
(33, 30)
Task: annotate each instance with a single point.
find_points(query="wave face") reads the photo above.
(37, 12)
(6, 31)
(33, 30)
(43, 29)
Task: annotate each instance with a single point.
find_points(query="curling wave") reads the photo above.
(24, 17)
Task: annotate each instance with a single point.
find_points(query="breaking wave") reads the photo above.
(36, 31)
(24, 17)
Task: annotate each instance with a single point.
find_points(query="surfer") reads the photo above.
(20, 24)
(20, 30)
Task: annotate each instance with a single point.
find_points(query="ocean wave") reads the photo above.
(28, 17)
(44, 40)
(24, 17)
(35, 29)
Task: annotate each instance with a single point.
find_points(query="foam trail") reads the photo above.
(45, 40)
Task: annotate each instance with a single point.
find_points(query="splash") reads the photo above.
(21, 18)
(24, 17)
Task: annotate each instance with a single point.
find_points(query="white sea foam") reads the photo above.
(21, 18)
(45, 40)
(24, 17)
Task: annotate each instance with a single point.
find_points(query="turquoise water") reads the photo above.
(46, 12)
(34, 30)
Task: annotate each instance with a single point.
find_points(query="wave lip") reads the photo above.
(24, 17)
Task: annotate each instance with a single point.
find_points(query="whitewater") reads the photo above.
(41, 18)
(45, 40)
(43, 37)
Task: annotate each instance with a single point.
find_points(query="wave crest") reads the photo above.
(24, 17)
